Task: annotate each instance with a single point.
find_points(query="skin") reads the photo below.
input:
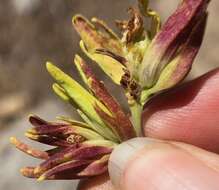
(188, 114)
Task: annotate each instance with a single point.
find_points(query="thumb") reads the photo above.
(144, 163)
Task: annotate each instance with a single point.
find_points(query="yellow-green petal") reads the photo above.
(113, 68)
(82, 98)
(105, 132)
(60, 92)
(87, 133)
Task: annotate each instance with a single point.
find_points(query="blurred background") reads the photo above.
(34, 31)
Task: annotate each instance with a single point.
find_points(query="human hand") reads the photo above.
(189, 114)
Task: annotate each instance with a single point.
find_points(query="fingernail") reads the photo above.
(145, 163)
(122, 155)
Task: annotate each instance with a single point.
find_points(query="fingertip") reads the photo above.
(96, 183)
(160, 165)
(188, 113)
(121, 156)
(121, 159)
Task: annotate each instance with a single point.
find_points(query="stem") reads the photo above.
(136, 111)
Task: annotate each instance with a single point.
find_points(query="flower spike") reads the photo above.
(145, 61)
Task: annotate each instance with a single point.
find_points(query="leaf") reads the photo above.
(69, 167)
(48, 140)
(105, 132)
(58, 158)
(87, 133)
(73, 122)
(37, 121)
(95, 38)
(100, 24)
(28, 172)
(110, 121)
(85, 152)
(96, 168)
(61, 92)
(104, 143)
(48, 129)
(63, 130)
(179, 67)
(110, 66)
(123, 125)
(29, 150)
(82, 98)
(172, 36)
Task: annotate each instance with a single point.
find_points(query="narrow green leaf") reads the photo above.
(77, 61)
(73, 122)
(104, 143)
(83, 99)
(119, 121)
(105, 132)
(87, 133)
(60, 92)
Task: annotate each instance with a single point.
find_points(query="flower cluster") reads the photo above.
(144, 61)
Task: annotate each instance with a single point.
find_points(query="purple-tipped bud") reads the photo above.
(173, 35)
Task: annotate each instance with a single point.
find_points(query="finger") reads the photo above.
(143, 163)
(189, 113)
(98, 183)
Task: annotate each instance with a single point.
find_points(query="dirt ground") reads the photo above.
(34, 31)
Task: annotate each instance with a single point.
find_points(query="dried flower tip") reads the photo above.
(132, 29)
(29, 150)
